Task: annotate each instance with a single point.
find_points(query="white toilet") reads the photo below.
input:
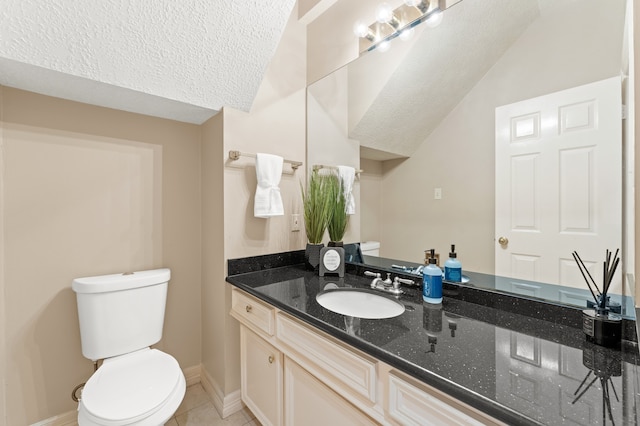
(121, 316)
(370, 248)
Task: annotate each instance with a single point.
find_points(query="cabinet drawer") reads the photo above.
(412, 405)
(250, 310)
(336, 363)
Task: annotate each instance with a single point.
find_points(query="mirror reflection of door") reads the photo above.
(558, 184)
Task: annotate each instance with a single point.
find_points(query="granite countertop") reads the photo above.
(517, 368)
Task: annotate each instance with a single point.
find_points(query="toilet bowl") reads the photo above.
(143, 388)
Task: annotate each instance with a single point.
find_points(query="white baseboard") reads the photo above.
(192, 374)
(226, 405)
(70, 418)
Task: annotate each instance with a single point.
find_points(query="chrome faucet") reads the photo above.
(387, 285)
(376, 280)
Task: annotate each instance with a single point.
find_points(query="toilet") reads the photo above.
(121, 316)
(370, 248)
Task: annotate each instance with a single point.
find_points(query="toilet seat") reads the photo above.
(130, 388)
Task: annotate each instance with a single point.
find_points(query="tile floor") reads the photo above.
(198, 410)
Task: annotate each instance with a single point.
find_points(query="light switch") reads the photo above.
(295, 222)
(437, 193)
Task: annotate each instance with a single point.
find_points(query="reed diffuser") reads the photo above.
(600, 325)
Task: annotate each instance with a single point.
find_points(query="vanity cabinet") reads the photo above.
(295, 374)
(410, 403)
(261, 377)
(309, 401)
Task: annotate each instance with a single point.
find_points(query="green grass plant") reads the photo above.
(317, 205)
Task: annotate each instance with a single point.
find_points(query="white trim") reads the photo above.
(226, 405)
(192, 374)
(70, 418)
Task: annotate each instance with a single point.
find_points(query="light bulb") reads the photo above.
(406, 34)
(384, 13)
(435, 19)
(360, 29)
(383, 46)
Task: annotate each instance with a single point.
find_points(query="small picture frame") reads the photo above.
(331, 261)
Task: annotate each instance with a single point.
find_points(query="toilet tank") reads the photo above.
(121, 313)
(370, 248)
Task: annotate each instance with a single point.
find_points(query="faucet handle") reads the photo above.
(372, 274)
(404, 281)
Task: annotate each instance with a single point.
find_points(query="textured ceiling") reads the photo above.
(176, 59)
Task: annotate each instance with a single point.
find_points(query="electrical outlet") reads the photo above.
(295, 222)
(437, 193)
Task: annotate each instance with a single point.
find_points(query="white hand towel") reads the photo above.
(268, 201)
(347, 176)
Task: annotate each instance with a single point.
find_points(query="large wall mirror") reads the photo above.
(506, 120)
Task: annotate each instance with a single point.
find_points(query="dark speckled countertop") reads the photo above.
(520, 369)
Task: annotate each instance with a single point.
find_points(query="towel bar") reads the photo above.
(321, 166)
(235, 155)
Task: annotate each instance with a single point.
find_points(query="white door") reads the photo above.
(559, 183)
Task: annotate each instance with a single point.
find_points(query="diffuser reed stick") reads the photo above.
(584, 269)
(609, 267)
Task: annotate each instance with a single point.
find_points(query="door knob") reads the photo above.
(503, 241)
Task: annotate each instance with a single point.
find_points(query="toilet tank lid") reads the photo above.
(117, 282)
(369, 245)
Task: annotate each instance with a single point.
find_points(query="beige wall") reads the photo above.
(89, 191)
(331, 42)
(371, 199)
(3, 322)
(327, 140)
(213, 303)
(275, 125)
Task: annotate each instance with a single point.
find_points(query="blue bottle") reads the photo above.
(432, 281)
(453, 267)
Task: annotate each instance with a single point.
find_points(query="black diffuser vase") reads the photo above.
(602, 327)
(312, 256)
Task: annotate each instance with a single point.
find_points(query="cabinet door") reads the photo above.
(261, 377)
(410, 405)
(310, 402)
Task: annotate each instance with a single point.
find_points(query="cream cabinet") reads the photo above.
(261, 377)
(410, 403)
(308, 401)
(295, 374)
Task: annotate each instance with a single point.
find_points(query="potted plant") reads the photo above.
(316, 202)
(332, 257)
(339, 219)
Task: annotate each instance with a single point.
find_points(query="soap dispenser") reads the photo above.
(453, 267)
(432, 281)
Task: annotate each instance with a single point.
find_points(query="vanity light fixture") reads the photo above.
(399, 22)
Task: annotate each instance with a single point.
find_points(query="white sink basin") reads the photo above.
(360, 303)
